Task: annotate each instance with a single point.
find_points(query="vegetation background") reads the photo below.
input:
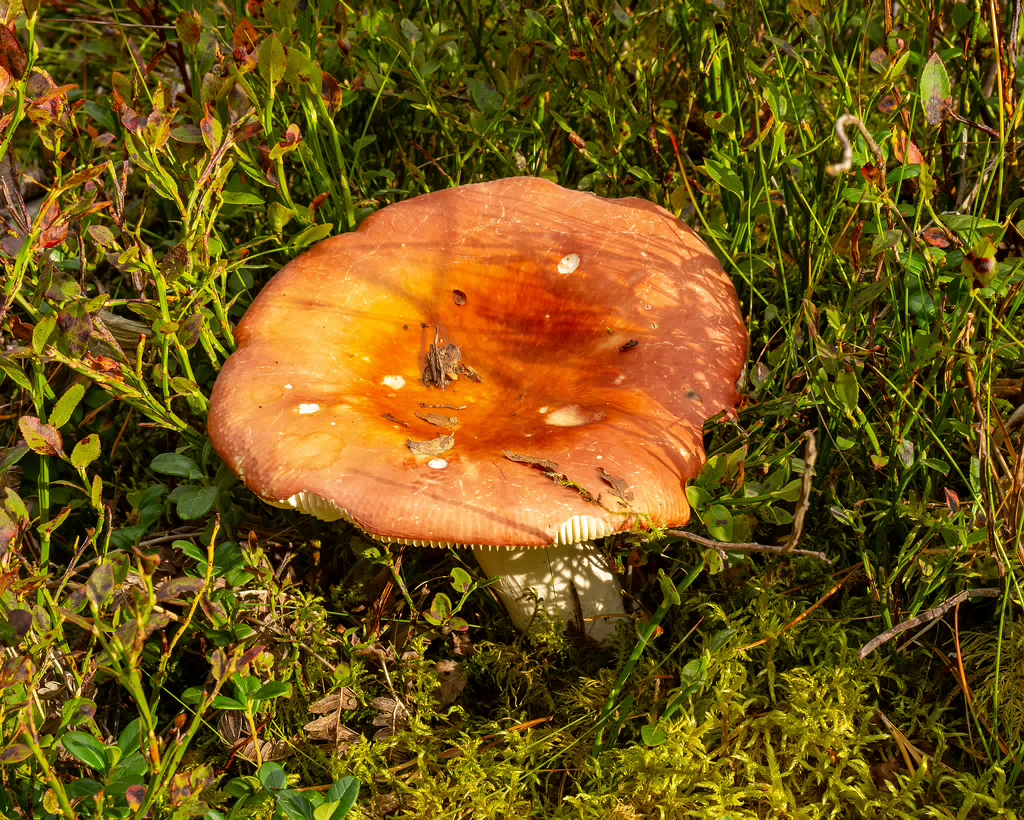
(173, 648)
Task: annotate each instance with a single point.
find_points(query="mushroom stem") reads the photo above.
(532, 579)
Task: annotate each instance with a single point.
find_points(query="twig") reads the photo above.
(925, 617)
(846, 163)
(777, 549)
(800, 513)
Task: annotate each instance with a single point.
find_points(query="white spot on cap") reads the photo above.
(308, 409)
(569, 264)
(287, 387)
(620, 378)
(394, 382)
(571, 415)
(543, 410)
(437, 463)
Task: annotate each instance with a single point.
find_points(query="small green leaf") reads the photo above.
(272, 777)
(724, 176)
(294, 805)
(313, 234)
(847, 389)
(177, 465)
(61, 413)
(461, 580)
(241, 198)
(193, 502)
(272, 61)
(86, 749)
(228, 704)
(42, 332)
(345, 792)
(718, 521)
(274, 689)
(654, 734)
(936, 91)
(85, 452)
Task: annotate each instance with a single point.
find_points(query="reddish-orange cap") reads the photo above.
(603, 333)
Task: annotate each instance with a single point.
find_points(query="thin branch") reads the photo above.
(800, 513)
(932, 614)
(725, 546)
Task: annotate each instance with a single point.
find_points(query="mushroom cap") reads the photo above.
(603, 331)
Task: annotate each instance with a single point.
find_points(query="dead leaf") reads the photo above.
(452, 676)
(434, 447)
(393, 717)
(629, 345)
(936, 237)
(438, 420)
(12, 56)
(542, 463)
(343, 699)
(619, 486)
(459, 297)
(389, 417)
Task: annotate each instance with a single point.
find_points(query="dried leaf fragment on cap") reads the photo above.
(619, 486)
(438, 420)
(434, 447)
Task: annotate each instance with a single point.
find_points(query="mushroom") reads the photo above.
(508, 366)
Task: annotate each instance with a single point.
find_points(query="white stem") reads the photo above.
(543, 578)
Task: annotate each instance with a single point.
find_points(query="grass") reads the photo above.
(174, 648)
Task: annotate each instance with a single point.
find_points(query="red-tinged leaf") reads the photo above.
(879, 59)
(189, 26)
(872, 174)
(77, 331)
(212, 130)
(888, 104)
(134, 796)
(179, 588)
(54, 98)
(42, 439)
(314, 206)
(85, 176)
(331, 92)
(53, 236)
(12, 56)
(246, 37)
(906, 151)
(250, 655)
(936, 237)
(248, 131)
(952, 501)
(936, 91)
(15, 753)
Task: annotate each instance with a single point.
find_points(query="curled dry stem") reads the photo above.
(846, 163)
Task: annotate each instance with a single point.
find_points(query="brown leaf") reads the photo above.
(179, 588)
(619, 486)
(343, 699)
(459, 297)
(330, 728)
(936, 237)
(246, 37)
(434, 447)
(629, 345)
(438, 420)
(543, 464)
(12, 56)
(452, 676)
(906, 151)
(389, 417)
